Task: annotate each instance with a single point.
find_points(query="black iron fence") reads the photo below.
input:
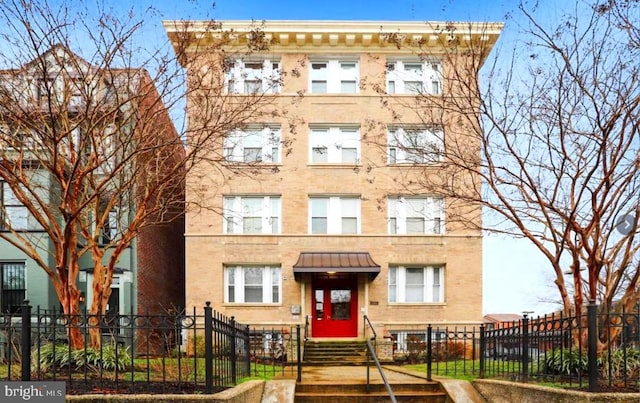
(597, 349)
(173, 352)
(593, 351)
(206, 352)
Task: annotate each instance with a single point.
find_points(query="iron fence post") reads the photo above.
(25, 348)
(208, 348)
(299, 351)
(247, 349)
(483, 350)
(234, 377)
(429, 351)
(525, 348)
(592, 340)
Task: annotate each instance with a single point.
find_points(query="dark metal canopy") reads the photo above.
(340, 262)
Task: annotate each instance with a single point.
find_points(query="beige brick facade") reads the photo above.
(458, 250)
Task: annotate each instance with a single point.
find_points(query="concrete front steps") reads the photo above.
(336, 373)
(332, 353)
(345, 392)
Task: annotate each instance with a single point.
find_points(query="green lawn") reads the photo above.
(186, 369)
(470, 370)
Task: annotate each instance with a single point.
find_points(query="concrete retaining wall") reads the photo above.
(247, 392)
(508, 392)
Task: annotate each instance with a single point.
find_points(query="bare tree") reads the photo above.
(548, 145)
(87, 148)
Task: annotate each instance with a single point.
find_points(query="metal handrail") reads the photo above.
(306, 328)
(372, 352)
(373, 331)
(301, 348)
(368, 322)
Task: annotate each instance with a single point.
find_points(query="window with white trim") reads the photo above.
(334, 145)
(253, 145)
(13, 214)
(109, 230)
(252, 284)
(416, 284)
(415, 77)
(251, 215)
(416, 215)
(415, 145)
(106, 149)
(334, 215)
(48, 89)
(411, 340)
(253, 77)
(77, 92)
(334, 77)
(17, 139)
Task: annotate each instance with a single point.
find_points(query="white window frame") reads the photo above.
(336, 75)
(337, 210)
(432, 287)
(110, 228)
(77, 90)
(234, 277)
(24, 139)
(48, 89)
(419, 145)
(106, 149)
(400, 338)
(14, 214)
(328, 144)
(401, 209)
(235, 210)
(241, 73)
(401, 77)
(265, 139)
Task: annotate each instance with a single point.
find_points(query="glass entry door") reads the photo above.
(335, 307)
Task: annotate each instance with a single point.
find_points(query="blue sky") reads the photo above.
(412, 10)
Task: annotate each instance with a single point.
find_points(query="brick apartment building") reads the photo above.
(149, 275)
(329, 233)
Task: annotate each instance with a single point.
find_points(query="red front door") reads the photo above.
(335, 307)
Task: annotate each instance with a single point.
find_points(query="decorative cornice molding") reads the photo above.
(329, 36)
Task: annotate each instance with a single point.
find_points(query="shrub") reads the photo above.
(195, 346)
(622, 363)
(415, 347)
(447, 350)
(565, 362)
(50, 355)
(95, 359)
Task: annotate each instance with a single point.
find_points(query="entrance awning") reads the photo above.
(339, 262)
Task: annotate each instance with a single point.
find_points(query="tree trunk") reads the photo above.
(70, 299)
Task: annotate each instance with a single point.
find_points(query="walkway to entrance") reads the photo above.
(282, 388)
(394, 374)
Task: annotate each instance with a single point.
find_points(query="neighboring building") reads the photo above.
(150, 273)
(329, 233)
(501, 320)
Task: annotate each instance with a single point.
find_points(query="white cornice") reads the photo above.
(290, 36)
(361, 27)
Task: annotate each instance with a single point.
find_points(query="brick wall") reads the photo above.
(459, 250)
